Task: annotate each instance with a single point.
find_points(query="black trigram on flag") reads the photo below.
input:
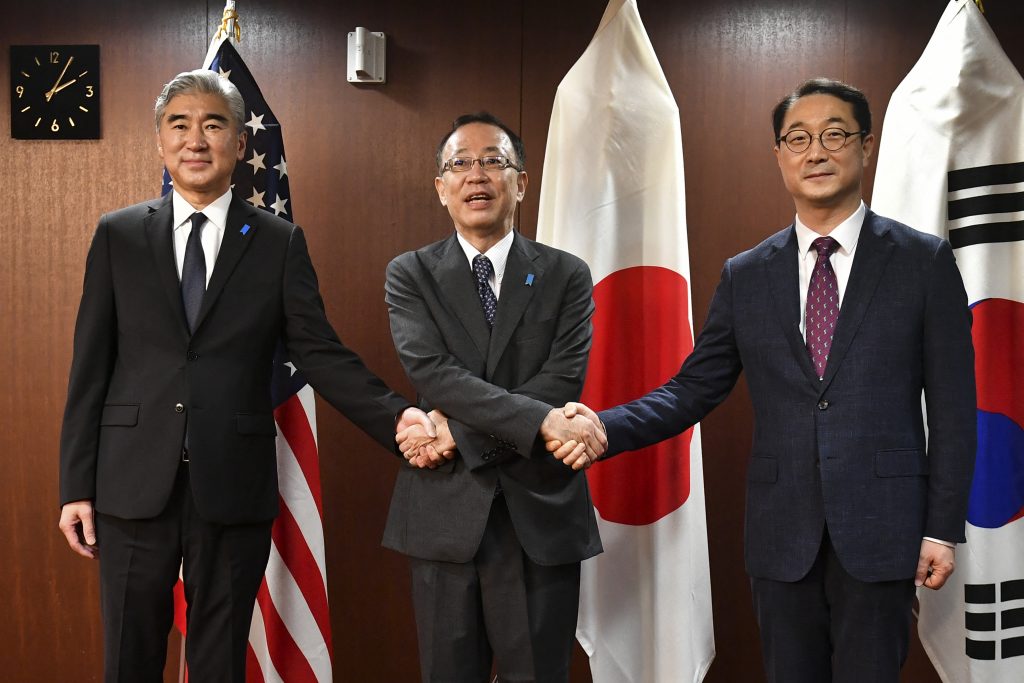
(995, 616)
(986, 204)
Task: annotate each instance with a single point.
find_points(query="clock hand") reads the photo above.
(54, 88)
(63, 85)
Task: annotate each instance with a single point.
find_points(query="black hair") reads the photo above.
(490, 119)
(825, 86)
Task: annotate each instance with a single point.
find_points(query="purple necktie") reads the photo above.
(822, 305)
(482, 268)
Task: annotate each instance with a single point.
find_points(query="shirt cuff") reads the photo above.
(945, 543)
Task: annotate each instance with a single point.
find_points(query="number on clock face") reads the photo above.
(54, 91)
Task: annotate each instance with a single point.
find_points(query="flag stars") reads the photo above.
(282, 168)
(256, 162)
(257, 199)
(279, 206)
(224, 74)
(256, 122)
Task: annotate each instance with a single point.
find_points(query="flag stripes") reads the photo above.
(986, 205)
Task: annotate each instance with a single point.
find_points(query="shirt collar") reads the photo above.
(846, 233)
(216, 212)
(498, 254)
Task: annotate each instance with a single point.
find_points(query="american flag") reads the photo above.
(290, 635)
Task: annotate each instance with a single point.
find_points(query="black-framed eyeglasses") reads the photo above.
(491, 162)
(831, 139)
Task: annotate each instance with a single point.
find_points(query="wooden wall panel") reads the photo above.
(360, 161)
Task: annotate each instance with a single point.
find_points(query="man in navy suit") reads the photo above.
(167, 448)
(840, 322)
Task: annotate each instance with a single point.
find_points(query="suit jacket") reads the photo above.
(138, 375)
(496, 386)
(848, 450)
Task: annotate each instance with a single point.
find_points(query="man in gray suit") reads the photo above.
(493, 329)
(840, 321)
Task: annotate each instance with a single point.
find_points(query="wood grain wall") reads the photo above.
(360, 161)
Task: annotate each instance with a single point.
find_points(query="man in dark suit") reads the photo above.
(493, 329)
(840, 321)
(167, 448)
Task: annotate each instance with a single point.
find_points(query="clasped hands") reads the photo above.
(573, 434)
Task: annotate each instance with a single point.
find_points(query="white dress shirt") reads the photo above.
(498, 254)
(213, 231)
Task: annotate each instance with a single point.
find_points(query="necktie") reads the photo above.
(483, 269)
(193, 272)
(822, 305)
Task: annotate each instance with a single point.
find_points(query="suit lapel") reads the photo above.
(232, 247)
(784, 278)
(160, 235)
(515, 296)
(873, 253)
(454, 277)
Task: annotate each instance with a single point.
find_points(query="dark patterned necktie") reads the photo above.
(822, 310)
(483, 269)
(193, 272)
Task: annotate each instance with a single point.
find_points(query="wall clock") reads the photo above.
(55, 92)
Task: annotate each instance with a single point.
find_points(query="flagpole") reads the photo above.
(229, 29)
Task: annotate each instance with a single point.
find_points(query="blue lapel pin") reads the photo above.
(529, 280)
(245, 229)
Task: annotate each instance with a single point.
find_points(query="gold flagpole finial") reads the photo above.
(980, 5)
(229, 24)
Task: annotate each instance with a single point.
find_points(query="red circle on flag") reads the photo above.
(642, 333)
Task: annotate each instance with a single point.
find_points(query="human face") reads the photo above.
(817, 178)
(199, 146)
(482, 204)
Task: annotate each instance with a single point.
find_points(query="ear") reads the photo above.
(159, 147)
(242, 137)
(441, 194)
(867, 147)
(521, 182)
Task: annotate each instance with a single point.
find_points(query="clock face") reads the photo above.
(55, 92)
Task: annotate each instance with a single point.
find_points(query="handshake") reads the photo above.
(573, 434)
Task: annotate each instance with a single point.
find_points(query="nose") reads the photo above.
(196, 138)
(476, 171)
(816, 150)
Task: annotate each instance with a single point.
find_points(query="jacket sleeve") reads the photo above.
(949, 389)
(334, 371)
(95, 349)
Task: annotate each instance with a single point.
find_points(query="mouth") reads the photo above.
(478, 199)
(818, 175)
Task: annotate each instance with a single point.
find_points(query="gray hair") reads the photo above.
(206, 82)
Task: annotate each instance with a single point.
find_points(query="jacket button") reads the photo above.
(823, 405)
(178, 408)
(192, 355)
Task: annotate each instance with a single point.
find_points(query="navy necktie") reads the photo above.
(193, 272)
(822, 310)
(482, 268)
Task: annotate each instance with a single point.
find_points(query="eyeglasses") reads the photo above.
(831, 139)
(493, 162)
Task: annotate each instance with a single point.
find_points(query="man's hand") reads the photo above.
(413, 430)
(439, 450)
(71, 516)
(572, 450)
(935, 565)
(576, 440)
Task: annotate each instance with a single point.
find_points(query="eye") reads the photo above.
(834, 134)
(459, 163)
(797, 138)
(492, 163)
